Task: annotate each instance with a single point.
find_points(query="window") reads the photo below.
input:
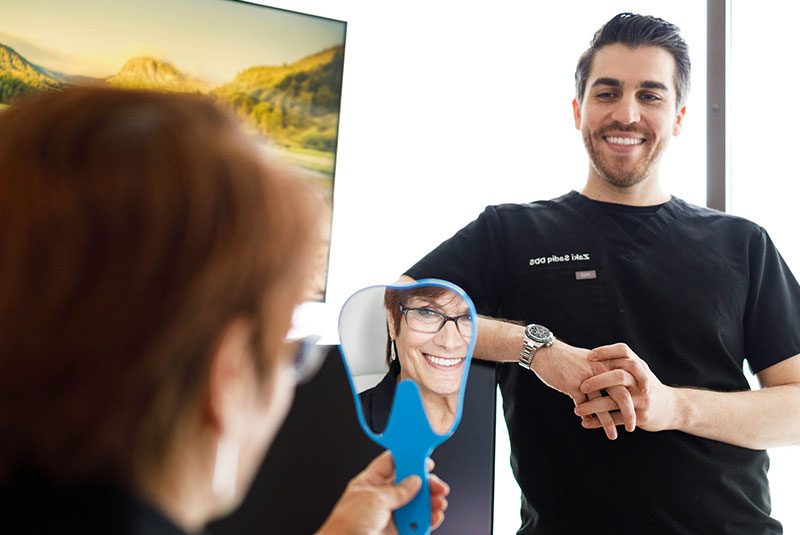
(764, 178)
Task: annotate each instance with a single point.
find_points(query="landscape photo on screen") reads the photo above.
(279, 71)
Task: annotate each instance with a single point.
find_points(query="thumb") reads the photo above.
(402, 493)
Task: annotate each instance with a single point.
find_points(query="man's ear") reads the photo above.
(576, 112)
(676, 128)
(229, 373)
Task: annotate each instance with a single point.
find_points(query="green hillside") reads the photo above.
(295, 105)
(19, 77)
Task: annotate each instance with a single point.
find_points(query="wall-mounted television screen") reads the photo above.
(279, 71)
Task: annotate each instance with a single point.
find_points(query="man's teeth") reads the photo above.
(624, 140)
(443, 362)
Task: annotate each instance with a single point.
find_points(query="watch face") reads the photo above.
(539, 333)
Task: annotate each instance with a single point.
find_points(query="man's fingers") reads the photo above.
(608, 425)
(613, 351)
(619, 399)
(624, 401)
(608, 379)
(578, 397)
(622, 356)
(637, 368)
(616, 384)
(608, 422)
(593, 422)
(595, 406)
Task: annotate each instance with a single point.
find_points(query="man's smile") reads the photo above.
(614, 140)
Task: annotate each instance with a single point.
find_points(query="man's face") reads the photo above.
(628, 112)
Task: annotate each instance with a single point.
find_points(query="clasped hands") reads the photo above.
(635, 397)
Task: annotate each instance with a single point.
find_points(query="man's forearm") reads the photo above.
(751, 419)
(498, 340)
(759, 419)
(559, 366)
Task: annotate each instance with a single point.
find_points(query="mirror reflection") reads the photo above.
(419, 333)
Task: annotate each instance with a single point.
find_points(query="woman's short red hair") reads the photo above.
(134, 226)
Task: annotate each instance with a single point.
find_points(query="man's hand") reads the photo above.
(617, 366)
(565, 368)
(559, 366)
(366, 506)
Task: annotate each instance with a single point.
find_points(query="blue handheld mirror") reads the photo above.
(407, 350)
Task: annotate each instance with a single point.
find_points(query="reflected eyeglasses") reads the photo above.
(307, 358)
(426, 320)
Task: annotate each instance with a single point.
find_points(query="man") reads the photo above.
(691, 292)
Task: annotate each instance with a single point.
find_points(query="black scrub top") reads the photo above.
(693, 292)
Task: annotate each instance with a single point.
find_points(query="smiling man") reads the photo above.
(627, 117)
(674, 298)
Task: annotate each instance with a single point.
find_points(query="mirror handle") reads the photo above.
(411, 440)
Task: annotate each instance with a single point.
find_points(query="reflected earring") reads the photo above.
(226, 466)
(393, 350)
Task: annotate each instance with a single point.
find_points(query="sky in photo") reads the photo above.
(212, 40)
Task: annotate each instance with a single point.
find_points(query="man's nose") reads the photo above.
(626, 111)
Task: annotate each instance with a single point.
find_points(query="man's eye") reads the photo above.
(648, 96)
(606, 95)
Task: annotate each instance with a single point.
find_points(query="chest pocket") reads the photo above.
(571, 299)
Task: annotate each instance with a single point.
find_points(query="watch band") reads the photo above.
(535, 337)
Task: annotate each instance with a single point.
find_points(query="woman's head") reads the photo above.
(431, 329)
(135, 229)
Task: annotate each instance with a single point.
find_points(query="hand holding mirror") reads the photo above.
(407, 350)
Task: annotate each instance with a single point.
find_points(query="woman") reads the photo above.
(430, 329)
(150, 261)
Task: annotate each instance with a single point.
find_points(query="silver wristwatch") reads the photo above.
(536, 336)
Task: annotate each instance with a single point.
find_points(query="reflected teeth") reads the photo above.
(624, 140)
(443, 362)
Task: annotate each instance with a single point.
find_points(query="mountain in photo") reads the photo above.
(150, 73)
(19, 76)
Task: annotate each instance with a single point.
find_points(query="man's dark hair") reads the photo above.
(638, 30)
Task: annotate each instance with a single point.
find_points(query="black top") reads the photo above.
(629, 218)
(693, 292)
(376, 402)
(33, 505)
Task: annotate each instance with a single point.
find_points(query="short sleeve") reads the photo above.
(471, 259)
(772, 313)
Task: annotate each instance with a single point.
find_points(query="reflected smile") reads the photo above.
(441, 362)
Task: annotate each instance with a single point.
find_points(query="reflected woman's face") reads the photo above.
(434, 360)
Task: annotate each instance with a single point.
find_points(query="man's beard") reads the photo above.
(621, 176)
